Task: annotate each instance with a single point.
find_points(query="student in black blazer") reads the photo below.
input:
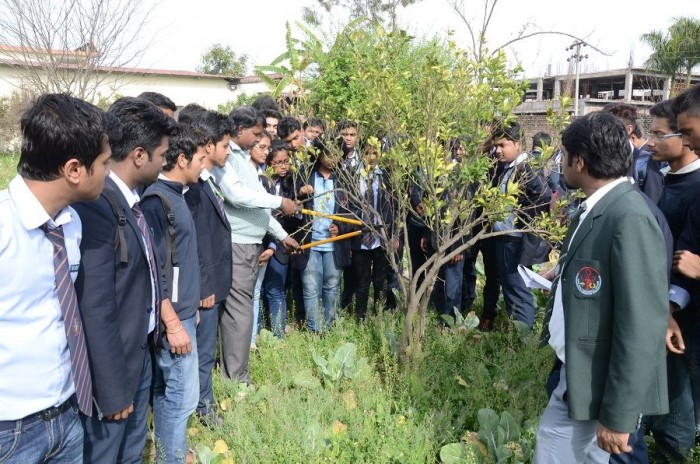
(205, 202)
(118, 289)
(370, 262)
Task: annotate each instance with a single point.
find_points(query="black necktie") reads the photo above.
(368, 238)
(72, 321)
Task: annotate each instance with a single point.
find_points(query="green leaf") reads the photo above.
(344, 359)
(488, 428)
(510, 427)
(454, 453)
(305, 379)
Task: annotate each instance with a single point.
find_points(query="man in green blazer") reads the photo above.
(608, 314)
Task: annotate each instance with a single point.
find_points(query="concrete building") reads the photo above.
(636, 86)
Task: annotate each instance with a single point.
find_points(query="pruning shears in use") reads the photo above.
(333, 217)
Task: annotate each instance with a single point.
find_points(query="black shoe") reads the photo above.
(485, 325)
(211, 420)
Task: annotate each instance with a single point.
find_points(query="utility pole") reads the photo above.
(577, 57)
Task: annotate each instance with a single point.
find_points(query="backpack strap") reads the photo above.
(119, 213)
(171, 259)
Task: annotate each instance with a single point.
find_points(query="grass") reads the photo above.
(384, 413)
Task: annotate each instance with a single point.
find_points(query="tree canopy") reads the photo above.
(676, 51)
(224, 61)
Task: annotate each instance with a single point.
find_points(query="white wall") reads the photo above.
(204, 90)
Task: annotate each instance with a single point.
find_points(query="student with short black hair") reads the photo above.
(313, 128)
(118, 287)
(206, 203)
(347, 140)
(248, 209)
(265, 102)
(45, 370)
(645, 171)
(289, 130)
(272, 120)
(369, 260)
(161, 101)
(176, 383)
(607, 315)
(190, 112)
(320, 266)
(675, 432)
(512, 248)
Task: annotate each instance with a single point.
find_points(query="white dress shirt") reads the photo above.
(132, 198)
(556, 322)
(35, 366)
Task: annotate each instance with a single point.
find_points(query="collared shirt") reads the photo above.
(35, 366)
(694, 166)
(324, 202)
(132, 198)
(556, 323)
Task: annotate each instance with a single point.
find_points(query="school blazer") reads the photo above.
(115, 300)
(615, 296)
(213, 241)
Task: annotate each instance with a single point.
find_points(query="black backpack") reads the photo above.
(171, 259)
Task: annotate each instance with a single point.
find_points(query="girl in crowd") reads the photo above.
(321, 265)
(258, 157)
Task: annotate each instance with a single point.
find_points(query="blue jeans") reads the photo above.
(257, 293)
(121, 441)
(34, 440)
(447, 293)
(674, 432)
(320, 279)
(274, 286)
(520, 304)
(692, 341)
(175, 397)
(206, 353)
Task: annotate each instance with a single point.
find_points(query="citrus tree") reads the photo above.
(410, 97)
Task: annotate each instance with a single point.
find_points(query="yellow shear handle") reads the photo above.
(333, 217)
(329, 240)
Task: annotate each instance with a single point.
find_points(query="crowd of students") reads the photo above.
(134, 239)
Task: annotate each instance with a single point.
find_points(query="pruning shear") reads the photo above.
(334, 217)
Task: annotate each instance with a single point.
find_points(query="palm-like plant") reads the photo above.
(675, 51)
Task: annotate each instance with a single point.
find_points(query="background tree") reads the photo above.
(676, 51)
(223, 60)
(384, 12)
(72, 45)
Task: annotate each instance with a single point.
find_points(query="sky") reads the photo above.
(184, 29)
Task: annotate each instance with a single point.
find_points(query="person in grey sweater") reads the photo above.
(248, 209)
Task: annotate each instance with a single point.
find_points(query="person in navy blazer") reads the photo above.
(118, 292)
(205, 202)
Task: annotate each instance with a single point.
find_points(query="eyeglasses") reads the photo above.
(658, 136)
(281, 163)
(263, 147)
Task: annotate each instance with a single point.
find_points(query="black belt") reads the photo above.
(45, 415)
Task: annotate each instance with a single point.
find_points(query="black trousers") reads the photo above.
(492, 286)
(369, 267)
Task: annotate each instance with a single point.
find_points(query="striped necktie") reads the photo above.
(217, 193)
(72, 322)
(145, 232)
